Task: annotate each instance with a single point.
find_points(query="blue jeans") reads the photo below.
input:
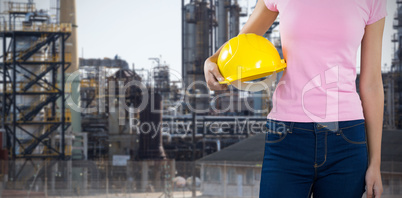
(326, 159)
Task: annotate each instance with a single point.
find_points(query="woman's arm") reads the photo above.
(372, 97)
(259, 22)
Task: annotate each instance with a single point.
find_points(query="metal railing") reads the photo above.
(148, 178)
(20, 7)
(62, 27)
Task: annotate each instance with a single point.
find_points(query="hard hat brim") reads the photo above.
(253, 75)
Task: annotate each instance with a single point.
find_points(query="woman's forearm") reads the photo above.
(372, 97)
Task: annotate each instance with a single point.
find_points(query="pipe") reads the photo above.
(31, 15)
(4, 22)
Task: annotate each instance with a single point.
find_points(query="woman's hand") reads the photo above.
(212, 75)
(258, 23)
(373, 182)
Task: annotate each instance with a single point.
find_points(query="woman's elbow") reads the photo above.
(374, 87)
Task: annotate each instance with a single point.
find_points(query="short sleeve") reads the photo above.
(271, 5)
(378, 11)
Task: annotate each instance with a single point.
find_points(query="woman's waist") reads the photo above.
(315, 126)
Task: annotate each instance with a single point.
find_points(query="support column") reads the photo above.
(144, 175)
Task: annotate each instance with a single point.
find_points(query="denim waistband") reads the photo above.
(319, 126)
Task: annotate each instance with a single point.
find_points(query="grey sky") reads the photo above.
(133, 29)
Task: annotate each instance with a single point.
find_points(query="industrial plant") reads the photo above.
(101, 126)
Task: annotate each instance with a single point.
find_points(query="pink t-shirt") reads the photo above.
(320, 39)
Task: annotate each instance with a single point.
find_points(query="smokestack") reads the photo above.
(68, 15)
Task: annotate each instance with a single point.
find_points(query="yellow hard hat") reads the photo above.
(248, 57)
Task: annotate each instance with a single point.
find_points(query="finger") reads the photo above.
(218, 87)
(214, 85)
(215, 72)
(221, 87)
(214, 77)
(377, 191)
(369, 190)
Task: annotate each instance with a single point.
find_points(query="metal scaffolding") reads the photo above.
(33, 110)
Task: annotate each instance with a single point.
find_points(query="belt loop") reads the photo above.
(290, 128)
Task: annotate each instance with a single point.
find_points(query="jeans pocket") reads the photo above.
(355, 134)
(276, 132)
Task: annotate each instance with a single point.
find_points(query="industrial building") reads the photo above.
(393, 81)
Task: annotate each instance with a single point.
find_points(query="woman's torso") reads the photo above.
(320, 40)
